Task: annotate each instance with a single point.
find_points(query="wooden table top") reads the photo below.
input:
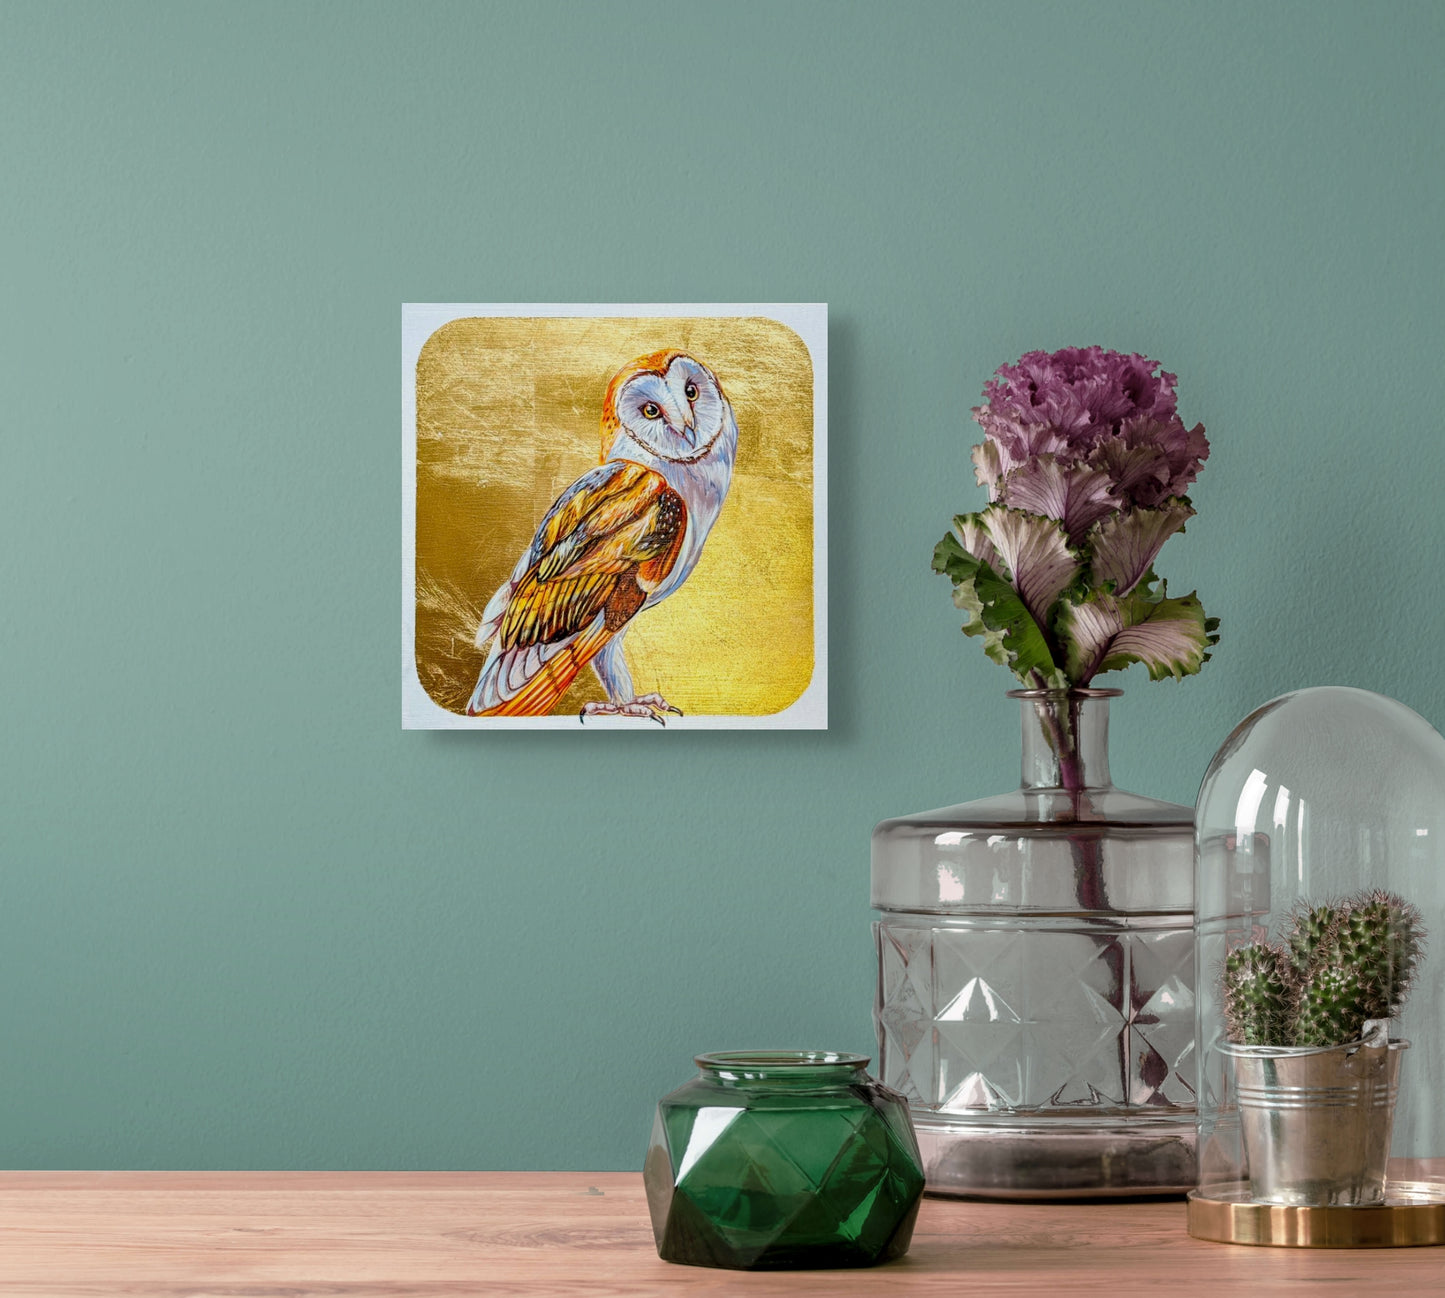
(586, 1235)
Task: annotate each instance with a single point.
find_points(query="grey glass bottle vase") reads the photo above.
(1035, 999)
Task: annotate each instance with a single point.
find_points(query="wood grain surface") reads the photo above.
(586, 1235)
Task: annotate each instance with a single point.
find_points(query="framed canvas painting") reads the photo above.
(615, 517)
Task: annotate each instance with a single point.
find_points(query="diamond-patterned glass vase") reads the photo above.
(1035, 995)
(782, 1159)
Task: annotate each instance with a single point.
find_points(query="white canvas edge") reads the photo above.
(809, 320)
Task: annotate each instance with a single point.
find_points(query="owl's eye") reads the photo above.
(691, 391)
(651, 410)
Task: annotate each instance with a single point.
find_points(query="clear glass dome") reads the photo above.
(1318, 804)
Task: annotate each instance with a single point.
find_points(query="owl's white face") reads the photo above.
(676, 413)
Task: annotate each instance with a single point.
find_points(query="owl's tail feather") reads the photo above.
(540, 694)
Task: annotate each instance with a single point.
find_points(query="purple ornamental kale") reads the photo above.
(1086, 462)
(1080, 433)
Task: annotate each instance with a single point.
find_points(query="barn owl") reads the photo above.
(618, 541)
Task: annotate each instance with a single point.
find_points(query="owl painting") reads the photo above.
(668, 571)
(619, 540)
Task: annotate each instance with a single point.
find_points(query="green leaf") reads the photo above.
(973, 535)
(1034, 554)
(1103, 633)
(947, 557)
(1011, 636)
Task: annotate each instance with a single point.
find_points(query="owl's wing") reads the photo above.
(610, 538)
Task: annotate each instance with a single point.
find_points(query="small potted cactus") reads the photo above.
(1307, 1020)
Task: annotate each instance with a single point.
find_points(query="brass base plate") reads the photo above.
(1413, 1213)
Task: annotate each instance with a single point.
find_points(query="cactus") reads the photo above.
(1332, 1007)
(1382, 937)
(1311, 928)
(1258, 996)
(1338, 965)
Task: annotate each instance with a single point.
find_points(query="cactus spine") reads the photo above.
(1311, 929)
(1338, 965)
(1331, 1007)
(1382, 938)
(1257, 994)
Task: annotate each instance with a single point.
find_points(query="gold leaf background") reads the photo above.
(508, 415)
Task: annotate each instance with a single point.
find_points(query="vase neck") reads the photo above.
(1065, 738)
(808, 1069)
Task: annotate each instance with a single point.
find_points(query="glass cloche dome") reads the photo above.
(1319, 877)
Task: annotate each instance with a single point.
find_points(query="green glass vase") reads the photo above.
(782, 1159)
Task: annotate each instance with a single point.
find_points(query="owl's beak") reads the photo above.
(686, 424)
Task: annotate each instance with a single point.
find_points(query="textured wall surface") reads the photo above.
(244, 919)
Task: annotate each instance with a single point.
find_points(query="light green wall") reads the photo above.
(247, 921)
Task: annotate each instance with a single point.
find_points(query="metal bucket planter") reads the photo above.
(1317, 1121)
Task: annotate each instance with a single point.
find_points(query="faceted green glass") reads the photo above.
(782, 1159)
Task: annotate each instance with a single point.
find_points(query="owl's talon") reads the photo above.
(658, 702)
(649, 707)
